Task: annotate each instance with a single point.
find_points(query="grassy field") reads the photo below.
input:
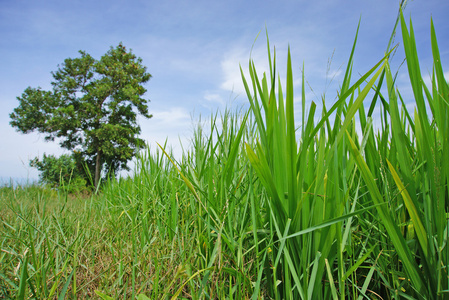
(256, 207)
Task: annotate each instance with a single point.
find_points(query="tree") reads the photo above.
(92, 108)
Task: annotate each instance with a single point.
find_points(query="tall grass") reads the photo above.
(310, 184)
(256, 207)
(329, 172)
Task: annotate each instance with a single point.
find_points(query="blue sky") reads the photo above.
(193, 50)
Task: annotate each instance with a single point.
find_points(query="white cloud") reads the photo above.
(214, 98)
(18, 151)
(333, 75)
(173, 117)
(173, 125)
(239, 56)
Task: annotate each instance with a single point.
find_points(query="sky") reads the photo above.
(194, 49)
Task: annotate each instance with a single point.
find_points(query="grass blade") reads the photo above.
(23, 280)
(392, 229)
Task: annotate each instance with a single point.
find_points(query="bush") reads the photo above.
(61, 172)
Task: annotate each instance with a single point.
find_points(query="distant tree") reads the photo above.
(92, 108)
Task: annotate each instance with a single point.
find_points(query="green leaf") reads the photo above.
(103, 296)
(142, 297)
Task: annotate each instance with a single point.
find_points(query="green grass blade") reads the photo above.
(313, 275)
(366, 283)
(179, 291)
(23, 280)
(186, 180)
(66, 286)
(230, 162)
(331, 280)
(291, 139)
(330, 222)
(392, 229)
(344, 96)
(412, 210)
(360, 261)
(348, 72)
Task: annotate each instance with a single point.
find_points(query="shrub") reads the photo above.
(61, 172)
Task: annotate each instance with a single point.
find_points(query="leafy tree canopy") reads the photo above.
(92, 108)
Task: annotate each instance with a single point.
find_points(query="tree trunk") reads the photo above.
(97, 169)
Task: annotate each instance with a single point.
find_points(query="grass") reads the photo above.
(257, 208)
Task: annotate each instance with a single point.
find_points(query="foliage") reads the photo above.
(61, 172)
(92, 108)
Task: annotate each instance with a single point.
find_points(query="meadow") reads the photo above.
(256, 207)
